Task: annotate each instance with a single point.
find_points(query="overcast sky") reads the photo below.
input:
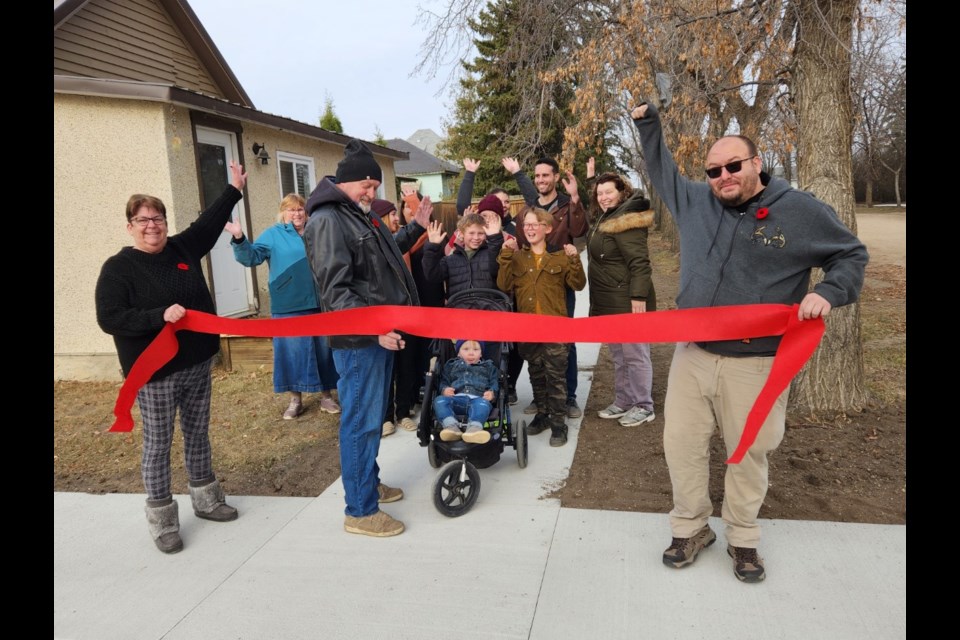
(289, 54)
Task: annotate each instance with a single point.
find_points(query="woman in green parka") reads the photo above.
(621, 282)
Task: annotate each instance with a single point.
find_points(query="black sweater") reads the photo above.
(136, 287)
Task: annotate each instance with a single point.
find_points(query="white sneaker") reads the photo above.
(637, 416)
(613, 411)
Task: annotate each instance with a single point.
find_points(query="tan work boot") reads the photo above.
(388, 494)
(747, 564)
(683, 551)
(378, 525)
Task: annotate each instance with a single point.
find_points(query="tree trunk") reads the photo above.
(833, 379)
(869, 195)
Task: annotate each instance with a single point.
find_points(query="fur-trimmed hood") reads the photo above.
(625, 221)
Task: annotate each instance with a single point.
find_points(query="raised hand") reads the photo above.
(591, 167)
(639, 113)
(471, 165)
(233, 228)
(492, 224)
(570, 184)
(435, 232)
(511, 165)
(510, 243)
(238, 177)
(570, 250)
(424, 211)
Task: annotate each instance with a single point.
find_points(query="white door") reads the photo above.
(232, 282)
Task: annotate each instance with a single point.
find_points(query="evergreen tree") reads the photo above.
(329, 119)
(504, 107)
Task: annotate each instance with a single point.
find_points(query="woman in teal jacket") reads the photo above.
(300, 364)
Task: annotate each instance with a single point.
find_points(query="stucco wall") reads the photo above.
(263, 183)
(107, 149)
(104, 151)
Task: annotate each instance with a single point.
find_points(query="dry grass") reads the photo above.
(251, 442)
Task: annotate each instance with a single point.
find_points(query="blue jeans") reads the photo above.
(302, 363)
(362, 389)
(445, 407)
(572, 355)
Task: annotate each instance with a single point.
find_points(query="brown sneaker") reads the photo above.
(683, 551)
(378, 525)
(388, 494)
(476, 434)
(451, 433)
(747, 564)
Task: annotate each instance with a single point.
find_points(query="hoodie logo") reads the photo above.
(759, 237)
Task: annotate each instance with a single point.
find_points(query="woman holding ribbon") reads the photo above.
(303, 363)
(139, 290)
(621, 282)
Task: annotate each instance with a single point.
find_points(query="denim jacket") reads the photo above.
(469, 378)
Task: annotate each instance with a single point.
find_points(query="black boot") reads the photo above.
(539, 424)
(558, 436)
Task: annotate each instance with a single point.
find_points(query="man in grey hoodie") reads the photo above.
(745, 238)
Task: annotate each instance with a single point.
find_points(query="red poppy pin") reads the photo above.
(376, 222)
(762, 213)
(183, 266)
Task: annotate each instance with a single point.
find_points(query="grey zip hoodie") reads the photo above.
(731, 258)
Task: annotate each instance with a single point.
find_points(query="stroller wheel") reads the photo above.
(520, 442)
(432, 455)
(456, 488)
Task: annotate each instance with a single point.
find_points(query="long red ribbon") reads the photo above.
(800, 339)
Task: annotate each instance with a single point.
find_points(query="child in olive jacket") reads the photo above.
(538, 275)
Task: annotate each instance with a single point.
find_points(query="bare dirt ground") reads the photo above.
(846, 468)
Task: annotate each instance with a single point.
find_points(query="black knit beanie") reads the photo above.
(358, 164)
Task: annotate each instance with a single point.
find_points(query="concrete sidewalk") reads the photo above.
(516, 566)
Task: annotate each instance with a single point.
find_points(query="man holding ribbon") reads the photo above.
(745, 238)
(357, 262)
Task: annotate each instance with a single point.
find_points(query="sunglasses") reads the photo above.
(732, 167)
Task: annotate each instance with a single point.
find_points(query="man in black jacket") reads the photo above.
(357, 262)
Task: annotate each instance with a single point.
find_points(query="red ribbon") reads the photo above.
(800, 338)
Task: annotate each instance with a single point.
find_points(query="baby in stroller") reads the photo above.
(468, 385)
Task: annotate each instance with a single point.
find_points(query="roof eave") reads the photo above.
(158, 92)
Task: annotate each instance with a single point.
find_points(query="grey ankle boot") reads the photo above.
(163, 521)
(209, 502)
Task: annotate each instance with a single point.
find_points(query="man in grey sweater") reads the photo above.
(745, 238)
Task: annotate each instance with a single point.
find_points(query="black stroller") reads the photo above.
(457, 486)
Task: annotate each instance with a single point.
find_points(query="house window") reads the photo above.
(296, 174)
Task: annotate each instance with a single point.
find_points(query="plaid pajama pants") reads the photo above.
(188, 390)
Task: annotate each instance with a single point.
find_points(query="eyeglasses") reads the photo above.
(143, 222)
(732, 167)
(533, 225)
(301, 209)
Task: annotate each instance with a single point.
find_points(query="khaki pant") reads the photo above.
(705, 391)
